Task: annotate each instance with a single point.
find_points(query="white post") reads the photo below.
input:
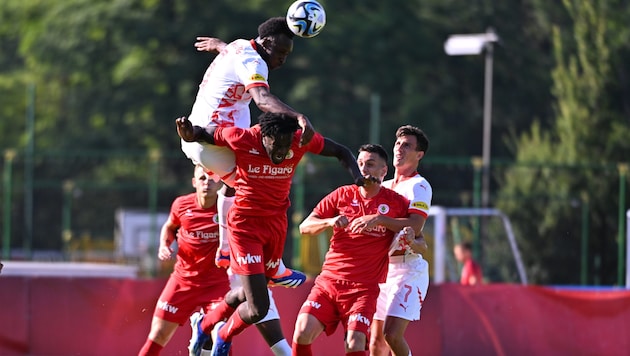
(487, 123)
(439, 245)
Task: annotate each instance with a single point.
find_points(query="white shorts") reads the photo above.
(405, 289)
(272, 314)
(218, 160)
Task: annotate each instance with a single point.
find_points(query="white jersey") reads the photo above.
(417, 190)
(222, 99)
(407, 281)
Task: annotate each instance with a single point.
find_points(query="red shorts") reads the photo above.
(179, 299)
(333, 301)
(256, 243)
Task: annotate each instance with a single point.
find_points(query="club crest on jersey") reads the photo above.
(383, 209)
(289, 155)
(215, 218)
(189, 212)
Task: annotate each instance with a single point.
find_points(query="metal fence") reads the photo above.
(59, 205)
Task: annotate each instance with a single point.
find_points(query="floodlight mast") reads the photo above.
(475, 44)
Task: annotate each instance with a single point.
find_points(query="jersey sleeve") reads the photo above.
(316, 145)
(420, 198)
(174, 213)
(327, 207)
(252, 71)
(228, 136)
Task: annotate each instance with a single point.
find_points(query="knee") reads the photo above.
(160, 336)
(393, 338)
(378, 346)
(304, 333)
(258, 310)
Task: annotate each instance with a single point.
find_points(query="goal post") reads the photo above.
(440, 215)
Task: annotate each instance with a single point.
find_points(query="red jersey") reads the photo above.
(197, 241)
(262, 187)
(361, 257)
(471, 269)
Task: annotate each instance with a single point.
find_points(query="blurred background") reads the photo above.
(89, 90)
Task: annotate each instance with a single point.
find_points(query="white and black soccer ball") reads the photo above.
(306, 18)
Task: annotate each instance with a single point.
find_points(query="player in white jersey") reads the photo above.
(401, 296)
(236, 76)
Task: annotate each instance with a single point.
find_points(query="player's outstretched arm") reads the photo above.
(190, 133)
(268, 102)
(210, 44)
(347, 160)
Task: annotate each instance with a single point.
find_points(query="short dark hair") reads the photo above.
(276, 124)
(273, 27)
(421, 137)
(374, 148)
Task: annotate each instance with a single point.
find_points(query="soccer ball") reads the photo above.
(306, 18)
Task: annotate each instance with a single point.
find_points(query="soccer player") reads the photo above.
(236, 76)
(364, 221)
(267, 156)
(471, 270)
(196, 281)
(401, 296)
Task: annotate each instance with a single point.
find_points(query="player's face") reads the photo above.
(204, 184)
(371, 164)
(278, 147)
(405, 151)
(278, 49)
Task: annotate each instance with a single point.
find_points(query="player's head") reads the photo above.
(277, 134)
(372, 160)
(410, 147)
(276, 41)
(462, 251)
(203, 183)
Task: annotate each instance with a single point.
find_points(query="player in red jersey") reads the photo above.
(195, 281)
(471, 270)
(267, 156)
(239, 74)
(364, 221)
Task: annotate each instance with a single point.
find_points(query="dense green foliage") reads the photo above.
(111, 75)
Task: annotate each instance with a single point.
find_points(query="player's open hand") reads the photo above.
(367, 181)
(185, 129)
(210, 44)
(307, 130)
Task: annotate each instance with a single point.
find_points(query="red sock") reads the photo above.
(234, 326)
(357, 353)
(301, 350)
(221, 312)
(150, 348)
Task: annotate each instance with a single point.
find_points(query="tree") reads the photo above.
(570, 165)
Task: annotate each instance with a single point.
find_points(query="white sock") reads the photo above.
(223, 206)
(281, 268)
(281, 348)
(205, 352)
